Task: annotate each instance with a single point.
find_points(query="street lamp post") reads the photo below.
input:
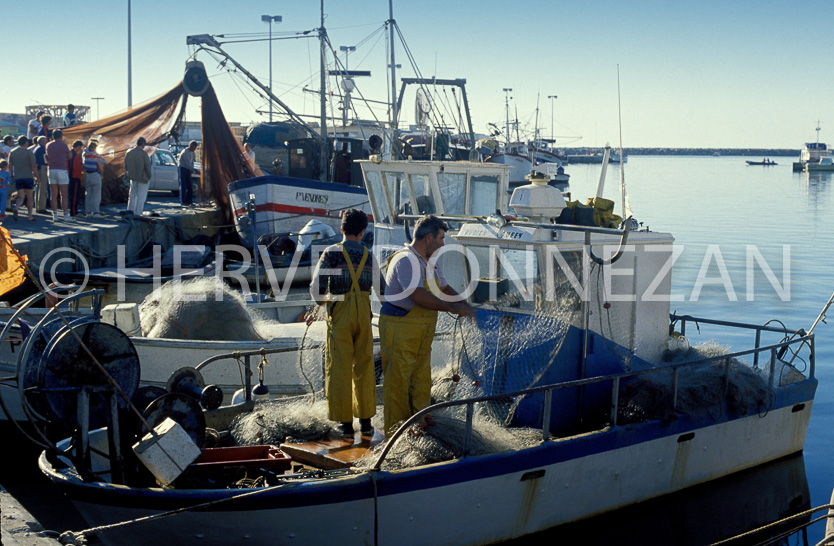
(552, 102)
(129, 61)
(97, 99)
(269, 19)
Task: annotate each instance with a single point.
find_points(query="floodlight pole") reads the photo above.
(268, 19)
(97, 99)
(552, 102)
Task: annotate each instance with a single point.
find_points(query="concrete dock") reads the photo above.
(98, 238)
(18, 527)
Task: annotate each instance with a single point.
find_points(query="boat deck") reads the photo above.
(330, 454)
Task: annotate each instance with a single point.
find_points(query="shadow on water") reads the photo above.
(706, 513)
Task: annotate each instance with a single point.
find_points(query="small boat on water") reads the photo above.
(594, 156)
(765, 163)
(599, 406)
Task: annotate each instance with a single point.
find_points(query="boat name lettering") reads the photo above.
(311, 197)
(512, 234)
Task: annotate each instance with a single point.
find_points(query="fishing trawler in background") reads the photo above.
(813, 154)
(594, 156)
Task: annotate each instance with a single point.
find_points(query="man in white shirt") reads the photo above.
(33, 127)
(415, 290)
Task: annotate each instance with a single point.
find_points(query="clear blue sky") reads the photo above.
(730, 73)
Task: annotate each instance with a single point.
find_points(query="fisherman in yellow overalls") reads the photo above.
(415, 290)
(342, 280)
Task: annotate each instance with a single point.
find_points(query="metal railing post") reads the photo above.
(470, 410)
(756, 354)
(548, 404)
(726, 375)
(247, 381)
(772, 368)
(813, 358)
(615, 400)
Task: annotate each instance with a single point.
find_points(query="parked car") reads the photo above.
(165, 172)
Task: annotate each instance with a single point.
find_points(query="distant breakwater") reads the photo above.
(754, 152)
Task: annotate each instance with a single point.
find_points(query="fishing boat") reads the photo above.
(824, 164)
(603, 407)
(813, 152)
(764, 163)
(595, 157)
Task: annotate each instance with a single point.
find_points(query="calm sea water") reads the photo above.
(721, 201)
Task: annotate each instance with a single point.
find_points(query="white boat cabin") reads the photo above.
(459, 188)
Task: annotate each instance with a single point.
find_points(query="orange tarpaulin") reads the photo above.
(12, 272)
(222, 156)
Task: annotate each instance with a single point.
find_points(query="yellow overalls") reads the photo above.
(405, 343)
(348, 355)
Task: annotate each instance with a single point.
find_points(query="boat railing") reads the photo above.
(246, 357)
(615, 379)
(684, 319)
(520, 223)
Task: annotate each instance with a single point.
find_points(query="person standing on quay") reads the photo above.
(6, 146)
(41, 192)
(76, 172)
(45, 131)
(33, 127)
(24, 173)
(93, 167)
(413, 284)
(57, 158)
(343, 280)
(186, 160)
(250, 155)
(138, 166)
(70, 118)
(5, 182)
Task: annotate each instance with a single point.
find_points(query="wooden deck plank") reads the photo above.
(332, 454)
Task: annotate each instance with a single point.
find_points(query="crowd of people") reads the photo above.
(415, 290)
(48, 173)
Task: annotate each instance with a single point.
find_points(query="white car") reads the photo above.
(165, 175)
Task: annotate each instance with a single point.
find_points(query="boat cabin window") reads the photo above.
(422, 195)
(564, 294)
(482, 200)
(379, 203)
(506, 276)
(397, 194)
(452, 192)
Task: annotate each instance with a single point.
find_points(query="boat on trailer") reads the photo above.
(552, 350)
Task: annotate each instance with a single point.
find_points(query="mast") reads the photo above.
(507, 92)
(394, 112)
(322, 83)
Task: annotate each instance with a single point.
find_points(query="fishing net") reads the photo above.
(441, 437)
(726, 385)
(203, 308)
(302, 418)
